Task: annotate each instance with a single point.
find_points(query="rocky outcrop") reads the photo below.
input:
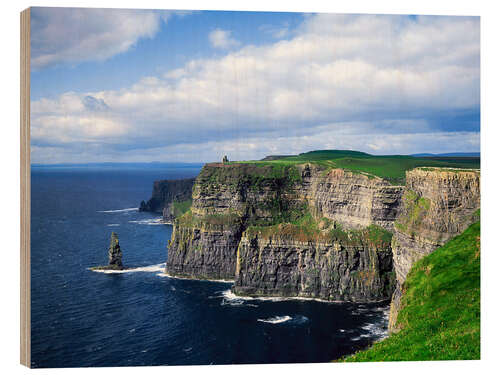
(438, 204)
(114, 256)
(115, 253)
(165, 194)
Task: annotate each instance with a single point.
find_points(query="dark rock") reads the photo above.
(165, 192)
(115, 253)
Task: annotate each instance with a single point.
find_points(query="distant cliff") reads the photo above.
(171, 198)
(438, 204)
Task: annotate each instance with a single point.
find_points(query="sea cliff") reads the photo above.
(171, 198)
(312, 231)
(289, 230)
(438, 204)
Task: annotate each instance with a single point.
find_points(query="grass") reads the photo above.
(440, 315)
(212, 220)
(391, 168)
(180, 208)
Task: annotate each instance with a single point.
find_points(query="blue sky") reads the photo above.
(125, 85)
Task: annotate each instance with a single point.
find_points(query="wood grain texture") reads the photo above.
(25, 339)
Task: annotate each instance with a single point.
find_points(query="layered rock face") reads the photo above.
(438, 204)
(231, 200)
(227, 198)
(351, 199)
(165, 193)
(203, 250)
(307, 231)
(281, 264)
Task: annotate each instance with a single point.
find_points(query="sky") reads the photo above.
(110, 85)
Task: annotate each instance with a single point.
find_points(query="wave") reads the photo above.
(229, 295)
(153, 268)
(158, 221)
(189, 278)
(276, 319)
(377, 330)
(113, 225)
(120, 210)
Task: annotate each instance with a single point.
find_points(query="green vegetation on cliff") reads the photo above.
(308, 229)
(180, 208)
(391, 167)
(415, 206)
(440, 315)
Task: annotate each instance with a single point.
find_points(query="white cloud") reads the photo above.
(367, 82)
(222, 39)
(74, 35)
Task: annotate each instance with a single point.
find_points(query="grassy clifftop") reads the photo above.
(440, 315)
(391, 167)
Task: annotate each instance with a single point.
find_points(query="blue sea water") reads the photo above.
(82, 318)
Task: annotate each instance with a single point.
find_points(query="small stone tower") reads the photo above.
(225, 159)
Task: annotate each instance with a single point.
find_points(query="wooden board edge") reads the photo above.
(25, 190)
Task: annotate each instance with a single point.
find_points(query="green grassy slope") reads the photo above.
(392, 167)
(440, 318)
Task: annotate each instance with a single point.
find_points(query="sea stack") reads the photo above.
(115, 253)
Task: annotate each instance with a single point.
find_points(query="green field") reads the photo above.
(440, 315)
(390, 167)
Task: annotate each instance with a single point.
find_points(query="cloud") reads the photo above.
(222, 39)
(278, 32)
(380, 84)
(74, 35)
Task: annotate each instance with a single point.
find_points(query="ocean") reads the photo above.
(81, 318)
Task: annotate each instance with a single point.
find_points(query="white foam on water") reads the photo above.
(229, 295)
(113, 225)
(157, 221)
(120, 210)
(164, 274)
(377, 330)
(276, 319)
(153, 268)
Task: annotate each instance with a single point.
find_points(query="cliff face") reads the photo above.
(220, 236)
(165, 193)
(287, 263)
(227, 198)
(438, 204)
(354, 200)
(315, 232)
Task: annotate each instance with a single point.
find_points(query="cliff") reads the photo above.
(235, 205)
(308, 230)
(290, 260)
(437, 204)
(171, 198)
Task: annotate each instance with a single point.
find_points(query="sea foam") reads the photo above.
(276, 319)
(153, 268)
(157, 221)
(120, 210)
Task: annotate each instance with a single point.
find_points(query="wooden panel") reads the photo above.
(25, 339)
